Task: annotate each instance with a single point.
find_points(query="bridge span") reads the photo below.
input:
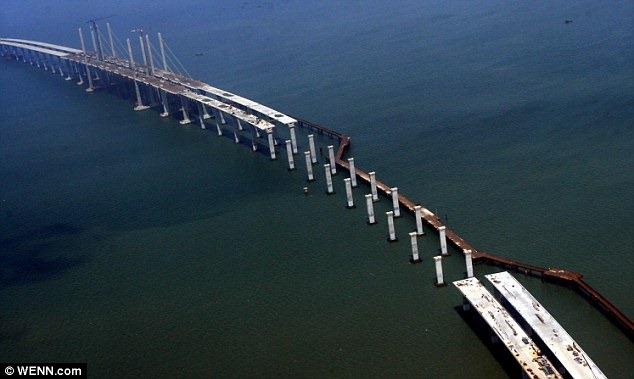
(154, 86)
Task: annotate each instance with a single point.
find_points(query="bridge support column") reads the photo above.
(329, 189)
(200, 115)
(413, 237)
(69, 69)
(395, 204)
(89, 76)
(375, 194)
(349, 197)
(443, 240)
(254, 142)
(240, 128)
(77, 70)
(390, 227)
(289, 155)
(419, 220)
(206, 114)
(309, 166)
(269, 135)
(439, 277)
(291, 130)
(331, 158)
(235, 137)
(218, 128)
(222, 118)
(370, 206)
(165, 103)
(468, 263)
(185, 119)
(353, 172)
(311, 145)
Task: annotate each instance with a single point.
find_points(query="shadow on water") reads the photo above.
(484, 333)
(37, 255)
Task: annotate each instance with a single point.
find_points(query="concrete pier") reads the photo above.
(375, 194)
(395, 204)
(440, 282)
(390, 227)
(311, 146)
(443, 240)
(468, 263)
(329, 188)
(309, 166)
(289, 154)
(419, 220)
(370, 206)
(414, 242)
(350, 200)
(353, 172)
(185, 119)
(331, 159)
(291, 130)
(269, 134)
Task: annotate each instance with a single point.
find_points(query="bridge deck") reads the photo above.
(33, 48)
(121, 67)
(563, 346)
(50, 46)
(518, 343)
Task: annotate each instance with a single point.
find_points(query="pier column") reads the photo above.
(254, 143)
(291, 130)
(395, 204)
(309, 166)
(469, 263)
(390, 226)
(206, 114)
(443, 240)
(240, 128)
(165, 103)
(289, 154)
(311, 146)
(329, 189)
(269, 134)
(370, 205)
(235, 137)
(222, 118)
(419, 220)
(414, 240)
(200, 114)
(185, 119)
(348, 183)
(375, 195)
(439, 277)
(89, 75)
(353, 172)
(331, 158)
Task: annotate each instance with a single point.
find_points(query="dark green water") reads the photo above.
(146, 248)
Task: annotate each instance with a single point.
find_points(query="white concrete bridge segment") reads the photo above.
(50, 46)
(33, 48)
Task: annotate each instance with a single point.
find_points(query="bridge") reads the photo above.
(156, 86)
(191, 100)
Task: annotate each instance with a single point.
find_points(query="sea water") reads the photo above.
(147, 248)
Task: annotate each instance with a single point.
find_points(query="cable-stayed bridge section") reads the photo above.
(175, 93)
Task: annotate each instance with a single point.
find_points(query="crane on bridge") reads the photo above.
(96, 39)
